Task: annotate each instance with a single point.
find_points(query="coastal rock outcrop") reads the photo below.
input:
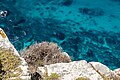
(6, 44)
(80, 69)
(76, 69)
(63, 71)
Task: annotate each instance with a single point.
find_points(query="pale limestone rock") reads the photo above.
(115, 75)
(73, 70)
(66, 54)
(117, 71)
(100, 67)
(5, 43)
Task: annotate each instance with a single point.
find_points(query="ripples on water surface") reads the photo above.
(85, 29)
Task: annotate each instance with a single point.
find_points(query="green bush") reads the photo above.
(53, 76)
(9, 64)
(44, 53)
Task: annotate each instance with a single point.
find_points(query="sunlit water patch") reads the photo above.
(85, 29)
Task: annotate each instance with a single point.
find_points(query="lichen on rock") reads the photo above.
(12, 65)
(9, 64)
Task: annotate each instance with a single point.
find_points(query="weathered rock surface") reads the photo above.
(75, 69)
(5, 43)
(117, 71)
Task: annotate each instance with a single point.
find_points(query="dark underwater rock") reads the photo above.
(90, 53)
(59, 35)
(57, 22)
(67, 2)
(20, 21)
(91, 12)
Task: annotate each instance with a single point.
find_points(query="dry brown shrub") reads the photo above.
(44, 53)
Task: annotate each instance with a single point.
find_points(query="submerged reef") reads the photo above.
(91, 12)
(84, 30)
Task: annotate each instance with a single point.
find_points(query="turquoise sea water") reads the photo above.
(85, 29)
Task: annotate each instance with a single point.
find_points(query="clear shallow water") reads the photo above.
(85, 29)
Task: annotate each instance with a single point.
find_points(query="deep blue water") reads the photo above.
(85, 29)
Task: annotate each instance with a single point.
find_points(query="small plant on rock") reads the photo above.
(9, 64)
(53, 76)
(82, 78)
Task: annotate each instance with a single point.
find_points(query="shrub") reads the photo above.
(9, 64)
(1, 70)
(53, 76)
(82, 78)
(44, 53)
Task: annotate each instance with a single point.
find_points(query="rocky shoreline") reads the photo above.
(70, 71)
